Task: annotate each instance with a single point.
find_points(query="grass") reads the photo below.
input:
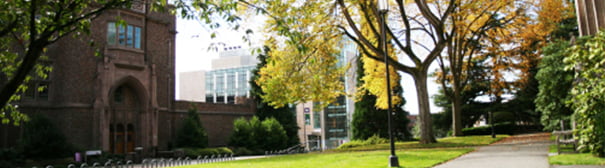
(576, 159)
(411, 154)
(449, 142)
(367, 159)
(568, 157)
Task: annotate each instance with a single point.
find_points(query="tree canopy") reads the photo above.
(26, 29)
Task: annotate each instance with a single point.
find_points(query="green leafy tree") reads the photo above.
(257, 135)
(26, 29)
(192, 133)
(43, 140)
(276, 137)
(477, 85)
(554, 92)
(284, 115)
(368, 120)
(586, 58)
(242, 134)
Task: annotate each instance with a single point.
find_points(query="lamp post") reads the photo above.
(383, 9)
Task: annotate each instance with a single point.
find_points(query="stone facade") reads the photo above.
(124, 98)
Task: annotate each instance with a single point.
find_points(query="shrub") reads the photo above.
(276, 137)
(10, 158)
(256, 136)
(499, 128)
(43, 140)
(352, 144)
(192, 133)
(241, 151)
(375, 139)
(586, 58)
(241, 135)
(503, 116)
(194, 152)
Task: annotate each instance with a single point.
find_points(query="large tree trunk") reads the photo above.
(425, 121)
(456, 112)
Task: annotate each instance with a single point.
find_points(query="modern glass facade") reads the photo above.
(338, 115)
(225, 85)
(336, 125)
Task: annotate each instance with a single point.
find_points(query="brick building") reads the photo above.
(124, 98)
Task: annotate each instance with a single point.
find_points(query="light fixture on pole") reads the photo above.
(383, 9)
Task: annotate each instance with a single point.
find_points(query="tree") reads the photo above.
(284, 115)
(478, 84)
(192, 133)
(276, 138)
(468, 28)
(510, 34)
(257, 135)
(515, 48)
(309, 31)
(26, 29)
(241, 135)
(554, 93)
(586, 58)
(369, 120)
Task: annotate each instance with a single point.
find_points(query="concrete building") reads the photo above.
(192, 86)
(228, 81)
(125, 98)
(330, 127)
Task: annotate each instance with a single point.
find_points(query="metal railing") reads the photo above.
(154, 163)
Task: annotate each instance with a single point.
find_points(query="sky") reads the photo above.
(192, 54)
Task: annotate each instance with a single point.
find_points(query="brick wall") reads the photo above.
(217, 119)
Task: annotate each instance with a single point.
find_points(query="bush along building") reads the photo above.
(123, 99)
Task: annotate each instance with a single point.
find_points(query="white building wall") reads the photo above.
(192, 86)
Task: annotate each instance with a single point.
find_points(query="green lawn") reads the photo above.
(366, 159)
(568, 157)
(576, 159)
(449, 142)
(411, 154)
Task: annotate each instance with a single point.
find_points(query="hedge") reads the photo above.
(499, 128)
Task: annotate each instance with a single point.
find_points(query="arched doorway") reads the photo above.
(124, 122)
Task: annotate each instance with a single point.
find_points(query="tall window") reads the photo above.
(38, 85)
(124, 35)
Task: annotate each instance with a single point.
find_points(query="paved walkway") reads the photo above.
(523, 151)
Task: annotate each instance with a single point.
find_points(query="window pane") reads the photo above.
(137, 37)
(43, 91)
(307, 119)
(316, 118)
(129, 34)
(122, 35)
(111, 33)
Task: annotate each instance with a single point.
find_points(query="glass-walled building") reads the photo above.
(230, 75)
(329, 127)
(225, 85)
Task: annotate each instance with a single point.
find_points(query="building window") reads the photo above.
(111, 33)
(124, 35)
(307, 119)
(38, 85)
(137, 37)
(316, 120)
(118, 95)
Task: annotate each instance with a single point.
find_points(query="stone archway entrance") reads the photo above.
(124, 123)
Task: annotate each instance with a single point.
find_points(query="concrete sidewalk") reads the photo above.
(524, 151)
(519, 151)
